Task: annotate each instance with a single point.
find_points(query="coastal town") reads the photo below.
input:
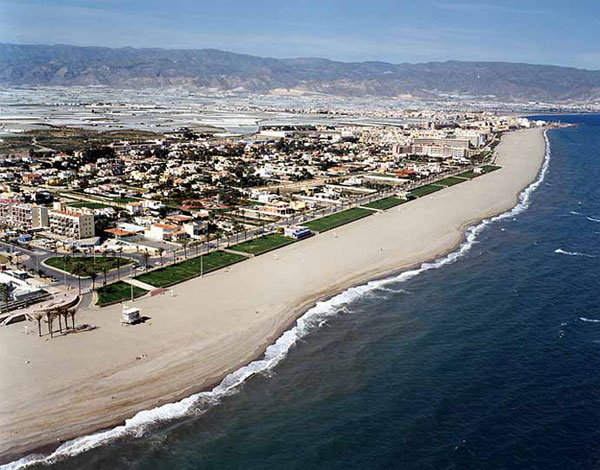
(90, 225)
(299, 235)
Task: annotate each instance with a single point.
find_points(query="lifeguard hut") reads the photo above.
(130, 315)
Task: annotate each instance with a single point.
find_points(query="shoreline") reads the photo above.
(262, 332)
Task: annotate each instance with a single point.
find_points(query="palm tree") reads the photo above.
(38, 316)
(184, 243)
(72, 311)
(260, 222)
(237, 228)
(104, 271)
(49, 315)
(65, 314)
(160, 253)
(207, 241)
(119, 251)
(67, 260)
(79, 270)
(93, 274)
(5, 293)
(146, 256)
(57, 314)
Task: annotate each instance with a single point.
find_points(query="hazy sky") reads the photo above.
(550, 31)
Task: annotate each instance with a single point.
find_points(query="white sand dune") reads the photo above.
(71, 385)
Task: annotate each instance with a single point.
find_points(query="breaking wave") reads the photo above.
(200, 402)
(589, 320)
(572, 253)
(393, 291)
(592, 219)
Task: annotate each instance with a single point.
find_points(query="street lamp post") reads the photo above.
(133, 269)
(201, 255)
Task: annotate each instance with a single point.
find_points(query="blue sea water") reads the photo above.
(491, 361)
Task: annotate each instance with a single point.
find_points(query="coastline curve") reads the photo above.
(201, 402)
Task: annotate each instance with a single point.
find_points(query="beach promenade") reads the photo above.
(75, 384)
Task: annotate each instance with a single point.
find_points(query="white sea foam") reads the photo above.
(592, 219)
(560, 251)
(393, 291)
(576, 213)
(589, 320)
(274, 354)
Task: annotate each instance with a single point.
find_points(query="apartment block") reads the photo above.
(23, 216)
(71, 223)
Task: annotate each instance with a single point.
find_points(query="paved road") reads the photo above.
(35, 256)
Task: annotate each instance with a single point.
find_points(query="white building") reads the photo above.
(71, 223)
(23, 216)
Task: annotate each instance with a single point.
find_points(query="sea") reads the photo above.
(488, 358)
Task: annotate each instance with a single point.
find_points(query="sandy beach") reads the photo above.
(52, 390)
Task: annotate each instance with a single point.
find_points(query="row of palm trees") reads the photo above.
(62, 314)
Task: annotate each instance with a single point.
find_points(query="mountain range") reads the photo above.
(132, 68)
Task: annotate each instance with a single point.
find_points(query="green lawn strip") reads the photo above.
(469, 174)
(117, 292)
(425, 190)
(96, 264)
(386, 203)
(3, 259)
(90, 205)
(336, 220)
(188, 269)
(124, 200)
(263, 244)
(450, 181)
(490, 168)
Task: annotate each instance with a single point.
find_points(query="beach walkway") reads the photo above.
(140, 284)
(235, 252)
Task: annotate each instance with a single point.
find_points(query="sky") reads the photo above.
(541, 32)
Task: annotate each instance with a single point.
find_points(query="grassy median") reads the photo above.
(117, 292)
(263, 244)
(336, 220)
(450, 181)
(386, 203)
(425, 190)
(190, 268)
(97, 264)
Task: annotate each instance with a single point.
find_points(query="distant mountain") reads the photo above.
(128, 67)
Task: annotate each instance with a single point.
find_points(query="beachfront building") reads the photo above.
(164, 232)
(71, 223)
(195, 229)
(22, 216)
(441, 148)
